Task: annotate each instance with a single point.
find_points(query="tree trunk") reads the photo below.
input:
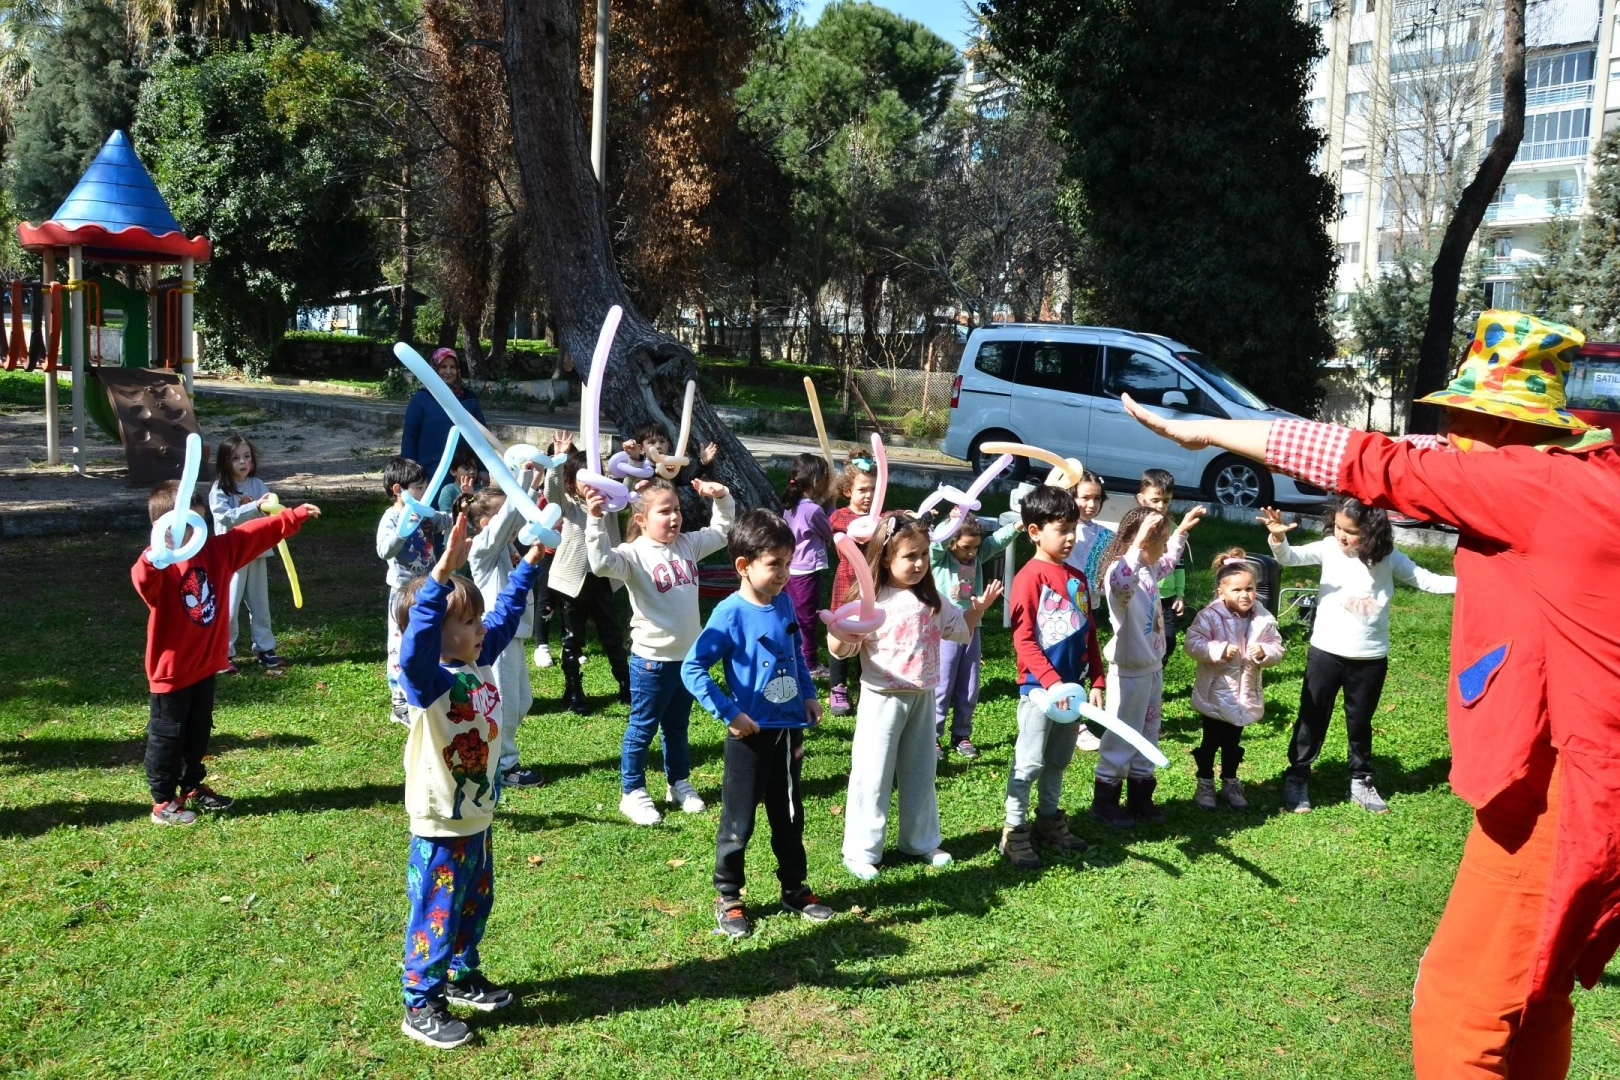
(1435, 359)
(510, 277)
(870, 282)
(447, 328)
(472, 349)
(648, 371)
(756, 357)
(407, 308)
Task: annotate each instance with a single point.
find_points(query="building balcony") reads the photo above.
(1563, 151)
(1547, 96)
(1528, 210)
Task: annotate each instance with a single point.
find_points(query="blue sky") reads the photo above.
(947, 18)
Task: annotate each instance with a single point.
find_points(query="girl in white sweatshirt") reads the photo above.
(1350, 641)
(659, 564)
(1143, 553)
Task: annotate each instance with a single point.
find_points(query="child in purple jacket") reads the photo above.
(803, 507)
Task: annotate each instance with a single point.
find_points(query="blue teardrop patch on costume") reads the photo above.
(1473, 679)
(1493, 333)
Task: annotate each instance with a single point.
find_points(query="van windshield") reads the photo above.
(1594, 383)
(1228, 386)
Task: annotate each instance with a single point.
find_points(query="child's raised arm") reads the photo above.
(420, 675)
(1402, 566)
(712, 537)
(501, 624)
(604, 559)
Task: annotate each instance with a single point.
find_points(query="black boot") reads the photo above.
(573, 698)
(1105, 805)
(1139, 799)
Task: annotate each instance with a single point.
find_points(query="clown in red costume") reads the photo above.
(1534, 691)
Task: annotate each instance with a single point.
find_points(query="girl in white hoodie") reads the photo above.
(1231, 639)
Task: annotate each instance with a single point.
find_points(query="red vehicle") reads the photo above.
(1593, 384)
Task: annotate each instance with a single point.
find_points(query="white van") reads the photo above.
(1058, 387)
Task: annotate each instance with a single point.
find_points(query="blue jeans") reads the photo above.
(658, 699)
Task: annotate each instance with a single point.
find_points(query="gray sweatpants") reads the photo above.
(511, 670)
(893, 748)
(1136, 697)
(1044, 749)
(252, 583)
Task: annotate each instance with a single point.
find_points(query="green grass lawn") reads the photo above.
(267, 942)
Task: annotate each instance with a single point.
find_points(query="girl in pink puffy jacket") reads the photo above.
(1231, 639)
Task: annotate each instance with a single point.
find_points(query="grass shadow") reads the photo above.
(44, 754)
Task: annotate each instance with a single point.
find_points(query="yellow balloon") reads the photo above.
(1070, 468)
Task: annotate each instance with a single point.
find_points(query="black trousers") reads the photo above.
(1325, 675)
(1223, 739)
(594, 604)
(764, 767)
(177, 738)
(844, 671)
(543, 602)
(1167, 608)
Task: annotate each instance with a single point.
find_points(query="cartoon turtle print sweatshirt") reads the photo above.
(764, 666)
(450, 773)
(1054, 631)
(187, 623)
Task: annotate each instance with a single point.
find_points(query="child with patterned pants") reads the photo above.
(452, 784)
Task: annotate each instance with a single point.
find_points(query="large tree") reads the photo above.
(648, 370)
(1185, 130)
(1438, 357)
(86, 83)
(1598, 255)
(264, 150)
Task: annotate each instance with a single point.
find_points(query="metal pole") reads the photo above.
(76, 300)
(188, 356)
(599, 97)
(53, 439)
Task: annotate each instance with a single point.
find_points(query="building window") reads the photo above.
(1372, 6)
(1503, 248)
(1572, 67)
(1357, 163)
(1503, 295)
(1319, 11)
(1550, 135)
(1341, 302)
(1386, 249)
(1614, 69)
(1562, 192)
(1316, 111)
(1361, 53)
(1350, 254)
(1356, 104)
(1350, 204)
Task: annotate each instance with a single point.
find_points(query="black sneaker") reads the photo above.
(1296, 795)
(808, 904)
(204, 797)
(433, 1024)
(521, 777)
(477, 992)
(966, 749)
(732, 920)
(272, 662)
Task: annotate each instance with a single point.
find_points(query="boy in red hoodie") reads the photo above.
(186, 646)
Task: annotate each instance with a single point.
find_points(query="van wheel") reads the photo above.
(1235, 481)
(982, 461)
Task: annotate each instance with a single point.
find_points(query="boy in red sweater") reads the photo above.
(186, 644)
(1055, 640)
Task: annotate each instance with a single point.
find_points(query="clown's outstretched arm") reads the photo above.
(1244, 437)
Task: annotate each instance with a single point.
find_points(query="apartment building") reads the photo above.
(1409, 96)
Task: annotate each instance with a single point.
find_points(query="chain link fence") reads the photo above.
(1349, 398)
(917, 403)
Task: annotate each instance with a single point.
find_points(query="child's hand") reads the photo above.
(1145, 531)
(991, 594)
(457, 546)
(1178, 605)
(536, 552)
(1189, 521)
(1232, 652)
(595, 502)
(709, 489)
(632, 448)
(268, 498)
(743, 726)
(562, 441)
(1257, 653)
(1272, 519)
(812, 712)
(1097, 698)
(709, 452)
(314, 511)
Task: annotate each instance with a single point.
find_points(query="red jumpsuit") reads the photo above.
(1533, 709)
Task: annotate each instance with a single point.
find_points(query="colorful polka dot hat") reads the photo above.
(1515, 369)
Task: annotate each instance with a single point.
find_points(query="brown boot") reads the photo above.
(1139, 799)
(1054, 830)
(1016, 847)
(1105, 804)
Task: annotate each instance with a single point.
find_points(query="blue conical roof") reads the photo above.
(117, 193)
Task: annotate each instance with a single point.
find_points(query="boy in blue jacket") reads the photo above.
(754, 634)
(452, 784)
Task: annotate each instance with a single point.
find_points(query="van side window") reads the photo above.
(1148, 379)
(1069, 366)
(997, 358)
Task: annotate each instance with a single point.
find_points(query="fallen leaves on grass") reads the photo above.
(835, 809)
(535, 861)
(677, 862)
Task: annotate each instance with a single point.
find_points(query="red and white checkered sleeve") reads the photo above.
(1424, 442)
(1307, 450)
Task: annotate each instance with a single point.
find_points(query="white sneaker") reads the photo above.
(682, 791)
(638, 806)
(1088, 741)
(863, 870)
(938, 857)
(542, 655)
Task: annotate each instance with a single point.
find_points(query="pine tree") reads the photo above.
(1549, 285)
(1597, 259)
(86, 84)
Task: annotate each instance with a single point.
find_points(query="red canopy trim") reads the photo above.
(133, 244)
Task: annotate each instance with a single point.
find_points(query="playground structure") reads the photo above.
(114, 216)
